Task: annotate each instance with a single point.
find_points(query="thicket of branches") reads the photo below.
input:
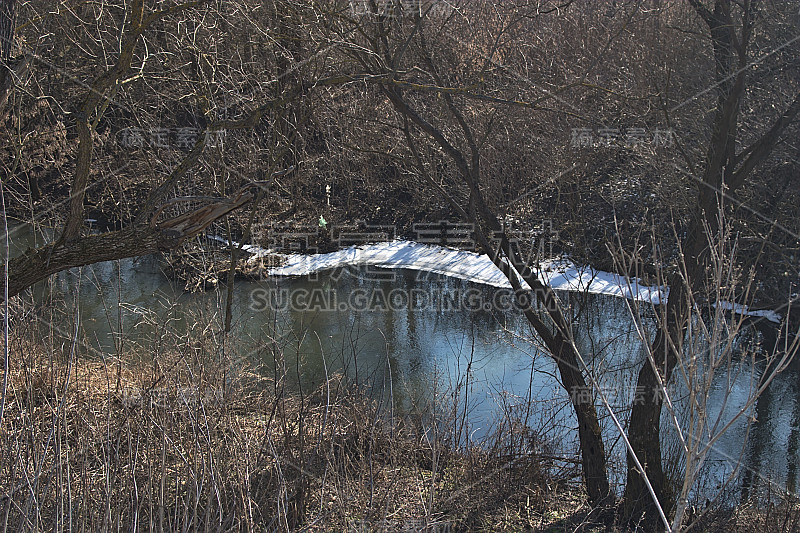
(660, 139)
(620, 68)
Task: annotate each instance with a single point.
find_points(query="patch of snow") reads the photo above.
(400, 254)
(772, 316)
(560, 274)
(477, 268)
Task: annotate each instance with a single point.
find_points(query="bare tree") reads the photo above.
(401, 54)
(387, 59)
(724, 171)
(137, 33)
(458, 87)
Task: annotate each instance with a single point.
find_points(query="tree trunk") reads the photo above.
(644, 433)
(644, 428)
(557, 336)
(37, 264)
(593, 453)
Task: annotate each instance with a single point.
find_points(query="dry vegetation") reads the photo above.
(184, 435)
(176, 444)
(186, 440)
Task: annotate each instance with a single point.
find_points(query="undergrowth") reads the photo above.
(185, 438)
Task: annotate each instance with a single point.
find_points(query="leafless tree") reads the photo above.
(458, 115)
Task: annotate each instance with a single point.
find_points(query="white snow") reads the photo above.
(772, 316)
(560, 274)
(477, 268)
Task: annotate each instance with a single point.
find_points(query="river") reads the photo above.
(435, 345)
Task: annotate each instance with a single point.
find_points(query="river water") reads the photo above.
(439, 347)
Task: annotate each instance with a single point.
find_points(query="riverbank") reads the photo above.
(175, 443)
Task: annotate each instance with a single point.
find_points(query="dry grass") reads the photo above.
(175, 444)
(183, 442)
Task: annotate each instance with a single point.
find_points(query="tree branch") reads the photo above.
(762, 148)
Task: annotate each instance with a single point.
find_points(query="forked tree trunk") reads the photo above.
(644, 429)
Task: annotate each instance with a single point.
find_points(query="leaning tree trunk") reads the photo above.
(136, 240)
(38, 264)
(568, 360)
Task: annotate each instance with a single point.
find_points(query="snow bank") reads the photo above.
(559, 274)
(772, 316)
(477, 268)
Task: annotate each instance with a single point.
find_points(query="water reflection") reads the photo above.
(471, 361)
